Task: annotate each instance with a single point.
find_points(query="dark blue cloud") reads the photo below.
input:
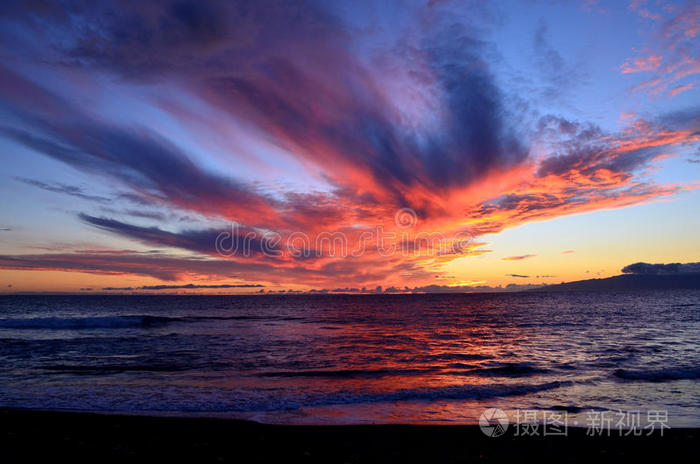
(656, 269)
(65, 189)
(196, 286)
(245, 242)
(154, 168)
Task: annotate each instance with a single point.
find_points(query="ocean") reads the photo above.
(338, 359)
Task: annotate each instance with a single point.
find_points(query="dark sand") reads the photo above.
(28, 436)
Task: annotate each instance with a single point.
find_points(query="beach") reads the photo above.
(84, 437)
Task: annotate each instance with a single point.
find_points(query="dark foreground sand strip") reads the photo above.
(29, 436)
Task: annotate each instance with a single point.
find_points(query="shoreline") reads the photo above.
(94, 437)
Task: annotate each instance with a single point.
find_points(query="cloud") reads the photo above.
(518, 275)
(195, 286)
(672, 268)
(146, 162)
(675, 57)
(680, 89)
(517, 258)
(560, 77)
(329, 111)
(159, 266)
(589, 170)
(649, 63)
(474, 289)
(423, 289)
(136, 213)
(173, 267)
(64, 189)
(202, 241)
(81, 193)
(568, 252)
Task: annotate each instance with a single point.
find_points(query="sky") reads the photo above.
(252, 146)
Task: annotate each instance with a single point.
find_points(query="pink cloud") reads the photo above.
(681, 88)
(675, 31)
(649, 63)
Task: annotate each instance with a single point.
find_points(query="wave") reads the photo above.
(105, 322)
(453, 392)
(118, 322)
(499, 370)
(511, 370)
(240, 318)
(570, 408)
(457, 357)
(115, 368)
(173, 398)
(347, 373)
(660, 375)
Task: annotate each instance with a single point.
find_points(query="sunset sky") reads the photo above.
(539, 141)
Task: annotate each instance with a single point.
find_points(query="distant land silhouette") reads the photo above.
(638, 276)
